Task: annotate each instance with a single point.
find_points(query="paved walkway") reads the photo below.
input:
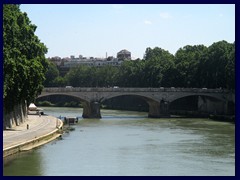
(38, 126)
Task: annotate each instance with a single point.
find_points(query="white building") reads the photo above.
(92, 61)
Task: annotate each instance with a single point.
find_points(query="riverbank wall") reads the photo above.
(33, 143)
(16, 117)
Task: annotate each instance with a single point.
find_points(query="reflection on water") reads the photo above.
(23, 164)
(128, 143)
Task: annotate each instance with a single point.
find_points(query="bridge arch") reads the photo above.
(81, 99)
(88, 107)
(156, 107)
(201, 103)
(128, 102)
(172, 99)
(144, 97)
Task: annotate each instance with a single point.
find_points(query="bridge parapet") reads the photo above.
(158, 99)
(90, 89)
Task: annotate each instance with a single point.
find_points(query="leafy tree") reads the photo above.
(158, 62)
(24, 58)
(51, 75)
(217, 65)
(230, 69)
(59, 82)
(106, 76)
(81, 76)
(187, 61)
(127, 74)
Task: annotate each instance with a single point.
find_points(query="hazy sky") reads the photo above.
(93, 30)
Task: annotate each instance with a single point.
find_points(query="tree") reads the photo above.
(217, 66)
(106, 76)
(157, 62)
(82, 76)
(230, 68)
(187, 61)
(24, 58)
(51, 75)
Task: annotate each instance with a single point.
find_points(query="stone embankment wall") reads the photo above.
(16, 117)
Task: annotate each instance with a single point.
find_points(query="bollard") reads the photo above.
(56, 123)
(27, 126)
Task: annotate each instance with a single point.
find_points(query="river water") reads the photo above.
(128, 143)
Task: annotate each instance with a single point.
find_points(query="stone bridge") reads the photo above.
(158, 99)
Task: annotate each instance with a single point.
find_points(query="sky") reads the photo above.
(92, 30)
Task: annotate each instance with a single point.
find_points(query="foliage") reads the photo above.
(158, 63)
(187, 61)
(85, 76)
(194, 66)
(44, 103)
(24, 58)
(217, 67)
(51, 74)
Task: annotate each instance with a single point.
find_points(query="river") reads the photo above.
(128, 143)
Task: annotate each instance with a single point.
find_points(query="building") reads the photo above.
(55, 60)
(124, 55)
(91, 61)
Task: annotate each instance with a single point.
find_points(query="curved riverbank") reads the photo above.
(34, 132)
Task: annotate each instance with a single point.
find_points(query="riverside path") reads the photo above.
(38, 127)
